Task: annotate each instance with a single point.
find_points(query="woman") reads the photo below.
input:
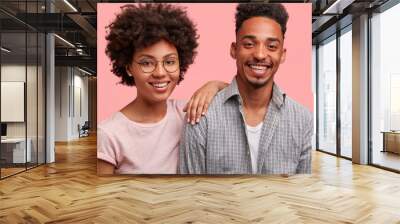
(150, 46)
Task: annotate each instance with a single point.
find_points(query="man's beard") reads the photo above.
(254, 82)
(257, 84)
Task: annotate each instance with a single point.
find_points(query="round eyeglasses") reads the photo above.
(149, 65)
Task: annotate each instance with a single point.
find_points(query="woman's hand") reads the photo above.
(201, 99)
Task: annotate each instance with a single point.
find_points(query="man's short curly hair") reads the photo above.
(273, 11)
(142, 25)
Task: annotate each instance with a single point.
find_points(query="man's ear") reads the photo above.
(283, 56)
(233, 50)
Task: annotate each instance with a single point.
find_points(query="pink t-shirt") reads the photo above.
(142, 148)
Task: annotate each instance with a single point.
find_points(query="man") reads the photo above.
(251, 126)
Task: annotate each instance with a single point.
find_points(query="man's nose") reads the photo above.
(260, 52)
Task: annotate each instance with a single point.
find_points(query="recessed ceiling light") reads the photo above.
(70, 5)
(337, 7)
(84, 71)
(64, 40)
(5, 50)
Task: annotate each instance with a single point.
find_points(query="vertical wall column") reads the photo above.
(360, 90)
(92, 98)
(50, 99)
(314, 91)
(71, 102)
(62, 102)
(50, 92)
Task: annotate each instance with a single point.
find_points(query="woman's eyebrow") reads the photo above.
(146, 55)
(151, 56)
(171, 54)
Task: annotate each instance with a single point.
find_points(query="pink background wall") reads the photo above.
(216, 27)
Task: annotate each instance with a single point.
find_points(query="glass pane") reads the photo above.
(31, 97)
(346, 94)
(386, 89)
(327, 96)
(23, 87)
(314, 78)
(13, 86)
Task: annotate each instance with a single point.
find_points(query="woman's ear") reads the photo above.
(128, 71)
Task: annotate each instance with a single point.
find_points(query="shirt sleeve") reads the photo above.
(304, 165)
(106, 149)
(192, 150)
(180, 104)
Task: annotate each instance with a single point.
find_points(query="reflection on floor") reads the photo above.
(386, 159)
(10, 169)
(69, 191)
(346, 152)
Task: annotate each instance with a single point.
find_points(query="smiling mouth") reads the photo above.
(259, 68)
(159, 85)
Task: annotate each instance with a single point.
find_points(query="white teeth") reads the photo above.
(160, 85)
(258, 67)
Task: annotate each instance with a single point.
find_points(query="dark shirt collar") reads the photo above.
(232, 91)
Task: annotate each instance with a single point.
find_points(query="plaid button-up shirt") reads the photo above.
(218, 143)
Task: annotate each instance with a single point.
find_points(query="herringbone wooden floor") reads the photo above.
(69, 191)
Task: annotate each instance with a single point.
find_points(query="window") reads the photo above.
(22, 69)
(327, 96)
(346, 75)
(385, 89)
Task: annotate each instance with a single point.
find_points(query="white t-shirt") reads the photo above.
(253, 137)
(142, 148)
